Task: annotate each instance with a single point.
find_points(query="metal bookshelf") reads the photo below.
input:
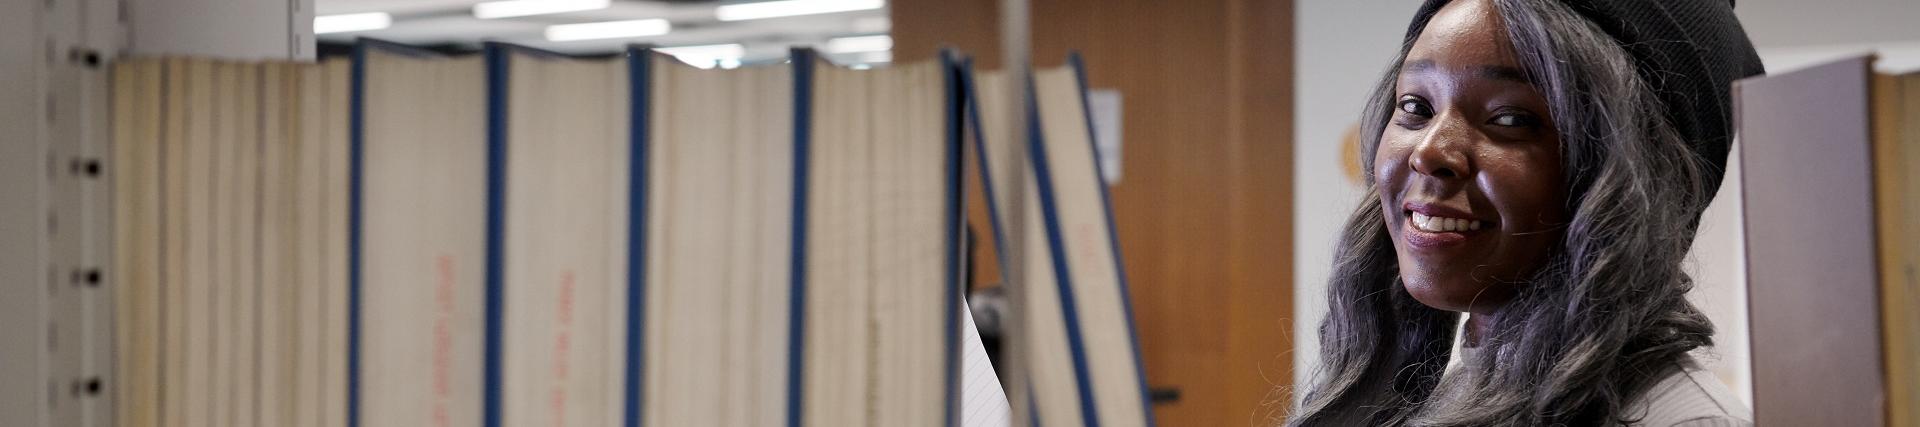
(56, 287)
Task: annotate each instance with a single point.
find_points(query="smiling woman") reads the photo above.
(1468, 169)
(1540, 165)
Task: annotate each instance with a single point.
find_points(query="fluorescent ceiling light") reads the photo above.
(734, 50)
(351, 22)
(512, 8)
(860, 44)
(784, 8)
(707, 56)
(608, 30)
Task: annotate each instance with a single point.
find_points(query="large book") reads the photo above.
(876, 284)
(293, 245)
(275, 327)
(228, 246)
(1083, 362)
(139, 90)
(424, 202)
(715, 227)
(1831, 168)
(335, 266)
(234, 287)
(173, 301)
(200, 234)
(560, 129)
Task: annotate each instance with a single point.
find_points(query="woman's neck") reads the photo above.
(1476, 328)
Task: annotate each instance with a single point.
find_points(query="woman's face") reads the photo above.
(1468, 167)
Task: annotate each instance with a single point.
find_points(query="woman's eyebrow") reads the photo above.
(1491, 72)
(1501, 72)
(1417, 65)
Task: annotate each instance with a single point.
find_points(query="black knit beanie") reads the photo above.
(1690, 51)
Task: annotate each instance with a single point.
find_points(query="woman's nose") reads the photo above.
(1442, 152)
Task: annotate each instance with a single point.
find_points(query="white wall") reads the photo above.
(22, 315)
(1344, 46)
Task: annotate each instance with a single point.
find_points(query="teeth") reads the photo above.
(1442, 224)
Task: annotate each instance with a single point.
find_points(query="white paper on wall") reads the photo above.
(1103, 105)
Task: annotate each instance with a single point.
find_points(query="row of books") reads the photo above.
(519, 237)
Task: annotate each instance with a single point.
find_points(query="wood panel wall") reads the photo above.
(1204, 204)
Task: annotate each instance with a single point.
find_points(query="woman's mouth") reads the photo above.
(1435, 227)
(1440, 224)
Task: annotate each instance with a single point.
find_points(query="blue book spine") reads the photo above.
(972, 101)
(639, 78)
(1037, 153)
(356, 207)
(498, 66)
(356, 117)
(1113, 238)
(955, 222)
(803, 63)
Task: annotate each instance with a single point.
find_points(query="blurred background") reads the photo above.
(1232, 170)
(703, 33)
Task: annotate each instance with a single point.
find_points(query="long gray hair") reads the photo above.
(1595, 326)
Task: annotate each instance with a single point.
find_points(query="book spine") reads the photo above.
(803, 64)
(1037, 153)
(955, 222)
(497, 63)
(639, 80)
(356, 167)
(971, 98)
(1113, 239)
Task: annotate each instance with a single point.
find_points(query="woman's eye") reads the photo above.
(1416, 107)
(1514, 120)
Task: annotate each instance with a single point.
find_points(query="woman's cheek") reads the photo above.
(1389, 158)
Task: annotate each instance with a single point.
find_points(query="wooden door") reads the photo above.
(1204, 205)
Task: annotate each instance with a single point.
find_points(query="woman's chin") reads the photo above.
(1453, 295)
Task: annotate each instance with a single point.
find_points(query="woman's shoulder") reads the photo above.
(1690, 397)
